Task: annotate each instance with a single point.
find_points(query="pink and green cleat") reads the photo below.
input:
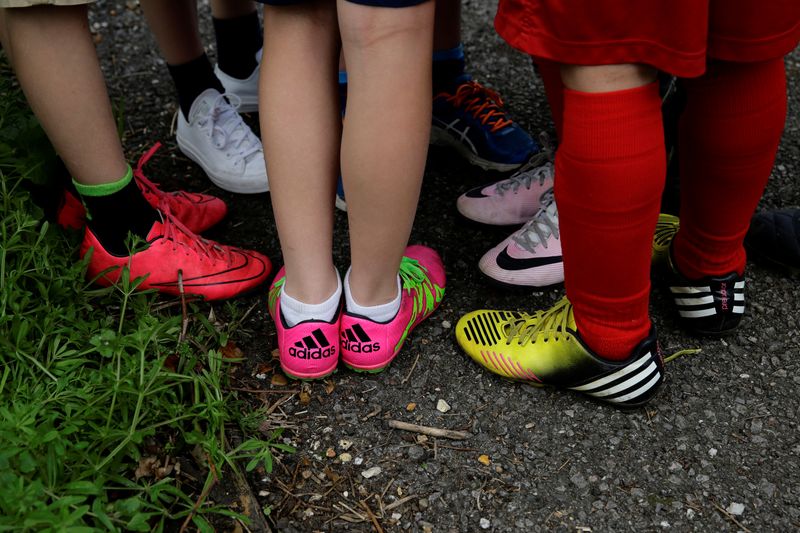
(369, 346)
(308, 350)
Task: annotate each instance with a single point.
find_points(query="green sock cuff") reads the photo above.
(104, 189)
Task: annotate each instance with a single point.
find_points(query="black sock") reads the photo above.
(238, 41)
(448, 70)
(193, 78)
(112, 217)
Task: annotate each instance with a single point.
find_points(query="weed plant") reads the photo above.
(85, 393)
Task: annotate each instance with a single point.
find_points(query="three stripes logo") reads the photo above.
(356, 340)
(633, 383)
(703, 301)
(314, 346)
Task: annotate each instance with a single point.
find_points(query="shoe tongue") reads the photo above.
(528, 231)
(204, 103)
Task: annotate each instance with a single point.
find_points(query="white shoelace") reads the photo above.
(539, 167)
(227, 129)
(543, 224)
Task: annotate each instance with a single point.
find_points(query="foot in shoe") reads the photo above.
(546, 349)
(711, 305)
(308, 349)
(774, 236)
(216, 138)
(246, 89)
(531, 256)
(176, 259)
(198, 212)
(512, 201)
(473, 121)
(369, 346)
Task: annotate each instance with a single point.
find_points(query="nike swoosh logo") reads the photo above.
(477, 192)
(506, 262)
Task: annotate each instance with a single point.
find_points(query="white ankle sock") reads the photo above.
(376, 313)
(294, 311)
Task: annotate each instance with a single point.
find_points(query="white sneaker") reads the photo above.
(216, 138)
(246, 89)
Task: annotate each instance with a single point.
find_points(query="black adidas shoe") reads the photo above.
(712, 305)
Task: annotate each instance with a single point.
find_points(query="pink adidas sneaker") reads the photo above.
(531, 256)
(369, 346)
(310, 349)
(512, 201)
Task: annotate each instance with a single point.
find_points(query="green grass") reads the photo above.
(93, 380)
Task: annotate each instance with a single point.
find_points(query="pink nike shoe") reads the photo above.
(369, 346)
(310, 349)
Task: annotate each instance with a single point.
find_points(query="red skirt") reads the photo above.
(676, 36)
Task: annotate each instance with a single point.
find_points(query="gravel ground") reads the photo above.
(717, 449)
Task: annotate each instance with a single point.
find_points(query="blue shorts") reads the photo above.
(373, 3)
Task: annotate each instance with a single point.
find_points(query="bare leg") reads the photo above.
(385, 137)
(175, 27)
(62, 80)
(301, 129)
(228, 9)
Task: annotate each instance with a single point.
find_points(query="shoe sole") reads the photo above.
(192, 153)
(621, 407)
(512, 287)
(300, 377)
(440, 137)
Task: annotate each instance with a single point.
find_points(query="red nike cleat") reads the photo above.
(196, 211)
(173, 255)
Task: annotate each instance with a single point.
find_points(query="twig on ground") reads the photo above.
(413, 366)
(428, 430)
(399, 502)
(728, 515)
(184, 312)
(203, 495)
(372, 516)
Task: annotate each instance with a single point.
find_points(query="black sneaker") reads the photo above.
(774, 236)
(712, 305)
(709, 306)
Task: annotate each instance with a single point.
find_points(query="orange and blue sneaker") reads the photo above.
(473, 121)
(546, 348)
(175, 260)
(198, 212)
(369, 346)
(308, 350)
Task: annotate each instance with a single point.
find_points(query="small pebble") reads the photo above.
(442, 406)
(485, 524)
(712, 452)
(736, 509)
(371, 472)
(358, 461)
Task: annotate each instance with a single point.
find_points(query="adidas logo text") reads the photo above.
(314, 346)
(356, 340)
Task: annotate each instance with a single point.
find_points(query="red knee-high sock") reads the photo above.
(729, 134)
(611, 167)
(554, 89)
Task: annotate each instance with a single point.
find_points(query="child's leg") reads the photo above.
(238, 34)
(301, 128)
(610, 172)
(385, 138)
(174, 25)
(729, 135)
(56, 64)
